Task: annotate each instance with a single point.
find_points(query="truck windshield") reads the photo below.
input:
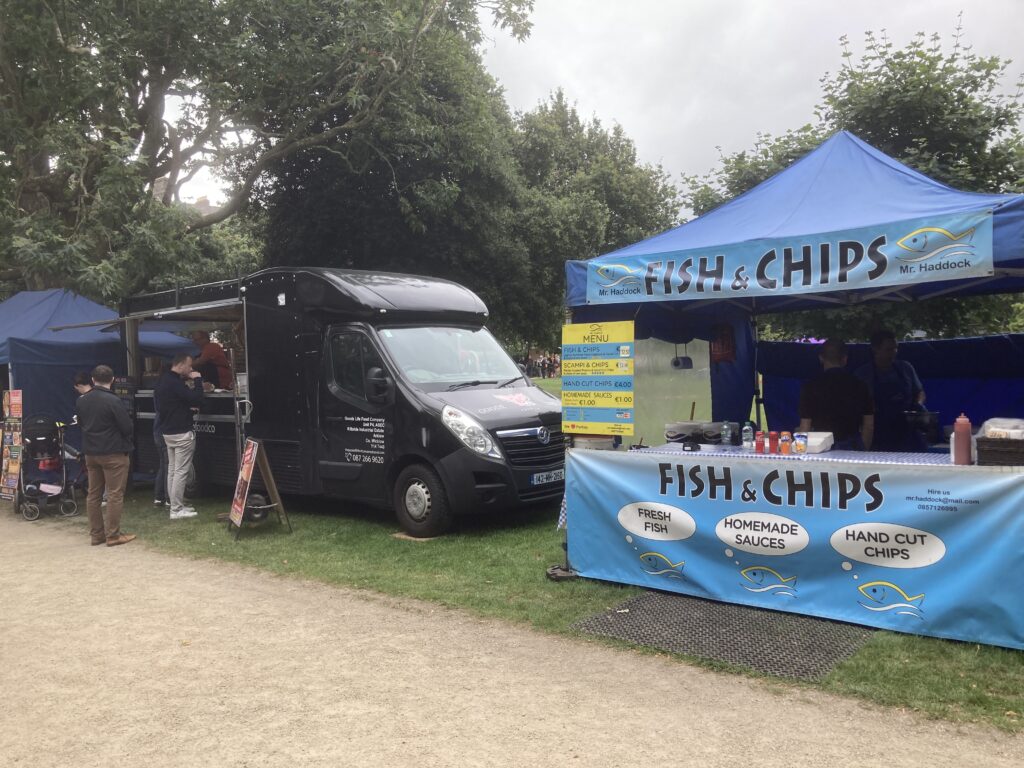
(438, 358)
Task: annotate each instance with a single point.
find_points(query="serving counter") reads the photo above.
(216, 459)
(906, 542)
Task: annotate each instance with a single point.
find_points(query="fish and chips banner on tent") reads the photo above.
(921, 250)
(906, 548)
(846, 218)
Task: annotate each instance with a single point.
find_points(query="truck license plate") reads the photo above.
(547, 477)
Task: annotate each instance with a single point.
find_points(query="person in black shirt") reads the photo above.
(838, 402)
(175, 400)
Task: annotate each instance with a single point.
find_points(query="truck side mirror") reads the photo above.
(522, 369)
(378, 385)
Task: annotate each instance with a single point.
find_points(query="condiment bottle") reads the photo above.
(962, 440)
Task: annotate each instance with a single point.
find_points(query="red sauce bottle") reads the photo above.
(962, 440)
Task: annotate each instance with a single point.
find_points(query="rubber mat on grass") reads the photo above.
(769, 642)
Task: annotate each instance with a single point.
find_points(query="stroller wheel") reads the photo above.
(68, 507)
(30, 511)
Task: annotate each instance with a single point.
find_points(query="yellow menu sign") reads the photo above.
(597, 378)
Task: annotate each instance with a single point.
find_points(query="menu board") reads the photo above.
(124, 389)
(597, 378)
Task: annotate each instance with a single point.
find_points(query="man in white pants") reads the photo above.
(176, 400)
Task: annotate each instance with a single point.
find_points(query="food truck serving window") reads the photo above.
(352, 356)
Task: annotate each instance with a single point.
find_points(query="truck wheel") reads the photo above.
(421, 503)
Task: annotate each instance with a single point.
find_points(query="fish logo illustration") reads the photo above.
(886, 596)
(761, 578)
(657, 564)
(618, 274)
(928, 242)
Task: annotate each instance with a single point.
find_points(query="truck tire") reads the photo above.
(421, 503)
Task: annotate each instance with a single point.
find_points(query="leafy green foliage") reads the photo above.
(944, 114)
(108, 106)
(447, 182)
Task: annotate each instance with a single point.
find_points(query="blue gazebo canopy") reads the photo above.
(843, 190)
(42, 362)
(845, 224)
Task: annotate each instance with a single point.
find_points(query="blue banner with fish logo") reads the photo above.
(951, 247)
(928, 550)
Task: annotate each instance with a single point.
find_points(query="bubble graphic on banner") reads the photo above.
(762, 533)
(629, 539)
(847, 566)
(657, 521)
(888, 545)
(728, 553)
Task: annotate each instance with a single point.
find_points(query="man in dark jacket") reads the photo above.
(176, 400)
(106, 443)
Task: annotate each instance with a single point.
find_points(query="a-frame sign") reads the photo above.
(254, 456)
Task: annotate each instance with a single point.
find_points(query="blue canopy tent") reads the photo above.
(42, 362)
(844, 225)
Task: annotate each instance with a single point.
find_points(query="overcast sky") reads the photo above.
(683, 78)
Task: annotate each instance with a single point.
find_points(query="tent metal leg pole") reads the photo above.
(758, 400)
(131, 343)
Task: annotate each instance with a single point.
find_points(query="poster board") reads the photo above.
(254, 457)
(597, 378)
(10, 469)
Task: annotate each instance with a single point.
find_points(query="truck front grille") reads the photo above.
(528, 451)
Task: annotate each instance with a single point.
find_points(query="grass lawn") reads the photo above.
(554, 386)
(496, 568)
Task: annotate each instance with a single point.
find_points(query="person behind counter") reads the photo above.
(212, 363)
(175, 401)
(836, 401)
(895, 389)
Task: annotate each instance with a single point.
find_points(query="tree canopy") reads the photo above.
(448, 182)
(109, 106)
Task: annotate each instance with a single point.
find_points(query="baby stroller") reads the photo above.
(43, 474)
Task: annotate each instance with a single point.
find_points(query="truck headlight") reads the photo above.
(470, 432)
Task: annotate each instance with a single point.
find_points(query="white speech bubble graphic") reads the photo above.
(888, 545)
(762, 533)
(660, 522)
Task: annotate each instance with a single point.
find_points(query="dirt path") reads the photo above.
(128, 657)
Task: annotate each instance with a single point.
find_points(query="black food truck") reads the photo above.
(385, 389)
